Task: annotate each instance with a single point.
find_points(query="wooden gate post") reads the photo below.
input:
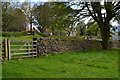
(34, 47)
(8, 45)
(5, 49)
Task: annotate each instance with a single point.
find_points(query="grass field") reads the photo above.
(92, 64)
(24, 38)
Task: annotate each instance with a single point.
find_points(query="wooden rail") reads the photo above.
(22, 53)
(20, 49)
(25, 56)
(22, 45)
(19, 41)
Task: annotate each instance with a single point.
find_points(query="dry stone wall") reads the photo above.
(53, 45)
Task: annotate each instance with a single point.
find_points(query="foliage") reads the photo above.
(13, 19)
(43, 16)
(19, 21)
(96, 64)
(63, 16)
(41, 34)
(6, 17)
(81, 28)
(27, 9)
(94, 10)
(68, 37)
(93, 30)
(53, 16)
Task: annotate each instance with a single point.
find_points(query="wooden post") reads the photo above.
(1, 58)
(5, 49)
(8, 47)
(35, 47)
(32, 49)
(28, 49)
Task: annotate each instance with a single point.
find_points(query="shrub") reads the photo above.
(6, 34)
(68, 37)
(82, 37)
(44, 35)
(41, 34)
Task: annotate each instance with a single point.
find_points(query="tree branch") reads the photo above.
(91, 12)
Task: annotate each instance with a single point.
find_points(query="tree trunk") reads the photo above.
(53, 31)
(31, 27)
(60, 33)
(81, 32)
(68, 33)
(105, 34)
(31, 21)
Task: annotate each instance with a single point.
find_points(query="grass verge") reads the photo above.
(92, 64)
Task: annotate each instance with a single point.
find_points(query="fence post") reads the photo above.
(35, 47)
(8, 45)
(5, 49)
(28, 49)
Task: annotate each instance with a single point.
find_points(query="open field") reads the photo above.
(24, 38)
(92, 64)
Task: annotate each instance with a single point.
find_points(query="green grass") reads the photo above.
(24, 38)
(92, 64)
